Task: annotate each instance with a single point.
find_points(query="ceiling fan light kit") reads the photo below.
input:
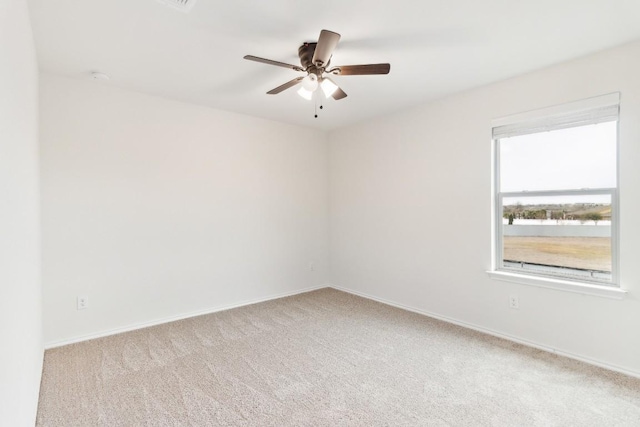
(305, 93)
(310, 82)
(315, 59)
(328, 86)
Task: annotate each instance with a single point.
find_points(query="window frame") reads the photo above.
(610, 289)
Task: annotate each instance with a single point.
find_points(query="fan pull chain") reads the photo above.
(315, 101)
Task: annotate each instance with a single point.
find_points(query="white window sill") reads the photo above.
(561, 285)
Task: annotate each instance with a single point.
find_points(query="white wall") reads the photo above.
(154, 208)
(21, 348)
(398, 182)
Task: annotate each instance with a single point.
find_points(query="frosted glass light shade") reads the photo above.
(328, 87)
(306, 94)
(310, 82)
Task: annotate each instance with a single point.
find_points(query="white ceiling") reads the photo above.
(435, 47)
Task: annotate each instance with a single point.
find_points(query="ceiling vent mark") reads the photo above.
(181, 5)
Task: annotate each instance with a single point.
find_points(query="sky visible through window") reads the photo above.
(566, 159)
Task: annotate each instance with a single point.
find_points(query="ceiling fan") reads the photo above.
(315, 59)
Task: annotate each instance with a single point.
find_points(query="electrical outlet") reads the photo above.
(312, 266)
(83, 302)
(514, 302)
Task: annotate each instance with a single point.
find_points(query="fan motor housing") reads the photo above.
(305, 52)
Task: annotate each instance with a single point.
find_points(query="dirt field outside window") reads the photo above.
(590, 253)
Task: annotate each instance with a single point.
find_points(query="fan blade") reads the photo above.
(270, 62)
(339, 94)
(359, 70)
(287, 85)
(327, 42)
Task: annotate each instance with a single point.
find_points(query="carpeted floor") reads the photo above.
(324, 358)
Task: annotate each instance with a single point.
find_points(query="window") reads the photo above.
(556, 198)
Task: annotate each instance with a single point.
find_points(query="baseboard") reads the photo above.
(182, 316)
(447, 319)
(497, 334)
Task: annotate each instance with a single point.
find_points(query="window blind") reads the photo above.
(596, 110)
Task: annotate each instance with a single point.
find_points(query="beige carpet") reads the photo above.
(324, 358)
